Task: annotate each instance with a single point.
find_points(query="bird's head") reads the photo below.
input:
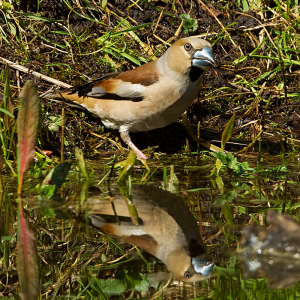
(187, 268)
(190, 55)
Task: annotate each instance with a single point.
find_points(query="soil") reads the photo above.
(71, 66)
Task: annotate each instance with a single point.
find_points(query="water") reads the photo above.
(77, 260)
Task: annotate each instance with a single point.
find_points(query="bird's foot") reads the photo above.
(140, 154)
(137, 151)
(126, 138)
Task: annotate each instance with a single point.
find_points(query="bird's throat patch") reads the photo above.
(195, 73)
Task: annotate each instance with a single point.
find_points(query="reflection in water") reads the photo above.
(166, 229)
(272, 252)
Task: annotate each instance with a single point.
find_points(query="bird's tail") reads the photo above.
(65, 96)
(97, 221)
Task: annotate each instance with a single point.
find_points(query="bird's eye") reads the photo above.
(187, 46)
(187, 275)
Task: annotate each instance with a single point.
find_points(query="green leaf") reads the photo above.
(27, 124)
(127, 167)
(245, 5)
(81, 163)
(6, 112)
(60, 32)
(112, 286)
(134, 60)
(36, 17)
(185, 16)
(189, 24)
(104, 4)
(227, 132)
(56, 123)
(218, 166)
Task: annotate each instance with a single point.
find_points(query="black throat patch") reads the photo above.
(195, 73)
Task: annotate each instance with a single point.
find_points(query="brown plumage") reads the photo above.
(166, 229)
(150, 96)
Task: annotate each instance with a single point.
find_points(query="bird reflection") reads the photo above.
(166, 229)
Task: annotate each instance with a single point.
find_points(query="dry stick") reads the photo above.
(290, 139)
(18, 79)
(198, 140)
(245, 149)
(263, 25)
(255, 101)
(214, 236)
(160, 15)
(36, 74)
(279, 54)
(159, 293)
(135, 3)
(255, 27)
(223, 28)
(121, 13)
(110, 140)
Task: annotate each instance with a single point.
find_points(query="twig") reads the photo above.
(223, 28)
(18, 79)
(110, 140)
(197, 139)
(134, 3)
(36, 74)
(263, 25)
(159, 293)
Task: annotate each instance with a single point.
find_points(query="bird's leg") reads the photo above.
(127, 140)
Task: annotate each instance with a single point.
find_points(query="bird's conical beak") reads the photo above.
(202, 266)
(203, 59)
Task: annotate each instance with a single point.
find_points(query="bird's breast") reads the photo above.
(160, 109)
(163, 104)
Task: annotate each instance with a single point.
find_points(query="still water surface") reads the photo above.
(89, 246)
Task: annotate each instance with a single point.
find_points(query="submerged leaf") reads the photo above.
(27, 266)
(227, 211)
(27, 124)
(81, 163)
(130, 206)
(172, 181)
(128, 167)
(55, 179)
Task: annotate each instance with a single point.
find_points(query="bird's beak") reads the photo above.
(202, 266)
(203, 59)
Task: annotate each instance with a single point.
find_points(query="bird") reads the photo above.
(166, 229)
(150, 96)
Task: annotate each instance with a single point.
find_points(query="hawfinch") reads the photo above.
(151, 96)
(166, 229)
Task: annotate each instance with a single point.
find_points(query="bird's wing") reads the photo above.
(129, 85)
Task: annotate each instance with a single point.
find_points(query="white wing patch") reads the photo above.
(127, 89)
